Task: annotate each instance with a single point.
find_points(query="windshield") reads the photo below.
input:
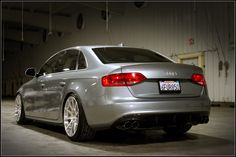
(127, 55)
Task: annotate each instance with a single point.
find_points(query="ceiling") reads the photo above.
(36, 17)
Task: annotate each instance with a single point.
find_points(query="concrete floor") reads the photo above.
(214, 138)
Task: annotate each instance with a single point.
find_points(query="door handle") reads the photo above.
(62, 83)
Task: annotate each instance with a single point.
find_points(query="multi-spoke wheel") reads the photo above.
(19, 110)
(75, 123)
(71, 116)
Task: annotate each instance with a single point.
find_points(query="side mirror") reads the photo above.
(30, 72)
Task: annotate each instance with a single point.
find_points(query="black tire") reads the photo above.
(84, 132)
(22, 120)
(177, 130)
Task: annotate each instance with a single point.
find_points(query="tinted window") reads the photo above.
(127, 55)
(62, 61)
(67, 61)
(82, 61)
(48, 67)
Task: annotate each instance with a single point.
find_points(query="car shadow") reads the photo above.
(111, 135)
(121, 141)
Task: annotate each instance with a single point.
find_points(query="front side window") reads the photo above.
(127, 55)
(49, 66)
(63, 61)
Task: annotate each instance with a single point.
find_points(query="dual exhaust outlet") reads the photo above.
(129, 124)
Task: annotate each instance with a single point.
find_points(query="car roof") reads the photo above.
(96, 46)
(101, 46)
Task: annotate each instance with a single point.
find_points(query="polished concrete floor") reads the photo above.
(214, 138)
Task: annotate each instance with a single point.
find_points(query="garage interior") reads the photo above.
(199, 33)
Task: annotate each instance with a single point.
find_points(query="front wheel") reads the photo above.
(75, 123)
(177, 130)
(19, 110)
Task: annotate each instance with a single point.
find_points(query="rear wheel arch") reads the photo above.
(64, 101)
(85, 132)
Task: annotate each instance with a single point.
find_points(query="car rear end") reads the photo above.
(146, 93)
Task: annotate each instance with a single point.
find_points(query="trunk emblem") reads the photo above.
(169, 73)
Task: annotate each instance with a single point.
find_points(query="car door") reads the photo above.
(32, 94)
(38, 107)
(54, 83)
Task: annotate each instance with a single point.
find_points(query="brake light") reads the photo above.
(199, 79)
(123, 79)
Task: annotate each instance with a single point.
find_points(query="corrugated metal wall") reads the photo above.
(201, 22)
(167, 27)
(164, 27)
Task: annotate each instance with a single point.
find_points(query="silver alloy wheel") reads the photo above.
(71, 116)
(18, 106)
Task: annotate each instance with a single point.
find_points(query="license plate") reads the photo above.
(169, 86)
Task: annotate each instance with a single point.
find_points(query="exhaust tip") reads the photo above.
(128, 125)
(135, 124)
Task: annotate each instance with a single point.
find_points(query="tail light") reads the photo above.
(199, 79)
(123, 79)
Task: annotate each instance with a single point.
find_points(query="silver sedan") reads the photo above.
(90, 88)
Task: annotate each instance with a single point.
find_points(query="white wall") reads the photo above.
(164, 27)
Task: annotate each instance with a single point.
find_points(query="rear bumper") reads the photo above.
(140, 121)
(107, 115)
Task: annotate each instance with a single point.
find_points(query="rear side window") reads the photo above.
(82, 62)
(127, 55)
(68, 61)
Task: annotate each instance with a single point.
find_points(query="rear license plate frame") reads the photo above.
(168, 89)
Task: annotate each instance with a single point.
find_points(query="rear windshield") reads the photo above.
(127, 55)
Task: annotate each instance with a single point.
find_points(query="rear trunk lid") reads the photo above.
(155, 72)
